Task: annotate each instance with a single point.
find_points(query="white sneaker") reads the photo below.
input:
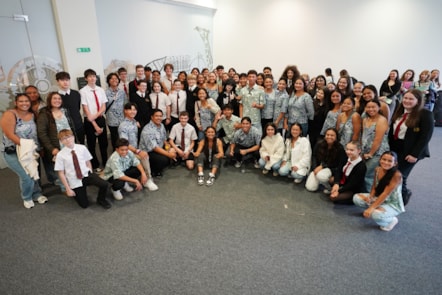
(256, 165)
(391, 225)
(128, 188)
(275, 173)
(150, 185)
(297, 180)
(42, 199)
(238, 164)
(28, 204)
(265, 171)
(210, 181)
(200, 179)
(326, 191)
(117, 195)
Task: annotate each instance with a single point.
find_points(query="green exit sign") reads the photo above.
(83, 49)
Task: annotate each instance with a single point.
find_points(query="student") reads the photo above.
(18, 125)
(182, 139)
(143, 102)
(124, 84)
(348, 122)
(123, 168)
(297, 156)
(168, 79)
(228, 96)
(154, 141)
(209, 153)
(133, 85)
(128, 129)
(227, 124)
(245, 143)
(192, 97)
(72, 102)
(148, 78)
(114, 106)
(352, 179)
(384, 202)
(409, 135)
(327, 162)
(271, 151)
(93, 99)
(73, 164)
(178, 99)
(206, 109)
(252, 101)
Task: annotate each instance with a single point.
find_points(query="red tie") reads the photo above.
(177, 105)
(183, 143)
(125, 88)
(398, 127)
(156, 104)
(76, 165)
(96, 101)
(344, 177)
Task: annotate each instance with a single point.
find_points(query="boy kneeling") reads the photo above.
(74, 167)
(123, 168)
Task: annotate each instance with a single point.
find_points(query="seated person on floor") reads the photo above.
(245, 144)
(182, 139)
(226, 125)
(123, 168)
(74, 167)
(209, 153)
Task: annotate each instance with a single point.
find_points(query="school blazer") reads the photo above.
(416, 139)
(355, 181)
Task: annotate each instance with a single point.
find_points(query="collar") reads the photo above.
(62, 92)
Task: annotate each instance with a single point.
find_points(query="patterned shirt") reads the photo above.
(252, 138)
(250, 96)
(281, 98)
(23, 129)
(152, 136)
(269, 108)
(116, 165)
(128, 129)
(299, 109)
(115, 113)
(228, 126)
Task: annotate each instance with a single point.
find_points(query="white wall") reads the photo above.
(146, 30)
(368, 38)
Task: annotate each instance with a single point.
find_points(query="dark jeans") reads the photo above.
(95, 180)
(92, 138)
(250, 157)
(157, 162)
(118, 184)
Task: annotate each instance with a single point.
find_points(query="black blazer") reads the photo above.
(192, 97)
(416, 139)
(355, 180)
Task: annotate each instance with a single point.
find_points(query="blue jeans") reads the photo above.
(275, 167)
(371, 165)
(30, 189)
(383, 216)
(287, 169)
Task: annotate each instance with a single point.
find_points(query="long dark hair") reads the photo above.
(326, 154)
(379, 189)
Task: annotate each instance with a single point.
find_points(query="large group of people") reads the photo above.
(354, 142)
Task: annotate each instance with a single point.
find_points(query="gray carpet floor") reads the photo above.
(247, 234)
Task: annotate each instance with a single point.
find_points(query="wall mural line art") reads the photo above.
(180, 62)
(32, 70)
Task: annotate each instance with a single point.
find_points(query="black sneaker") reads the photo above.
(104, 203)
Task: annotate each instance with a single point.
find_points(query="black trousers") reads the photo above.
(157, 162)
(250, 157)
(114, 135)
(118, 184)
(92, 139)
(95, 180)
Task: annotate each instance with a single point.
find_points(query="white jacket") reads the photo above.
(300, 155)
(272, 147)
(28, 157)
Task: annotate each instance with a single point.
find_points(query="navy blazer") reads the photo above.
(416, 139)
